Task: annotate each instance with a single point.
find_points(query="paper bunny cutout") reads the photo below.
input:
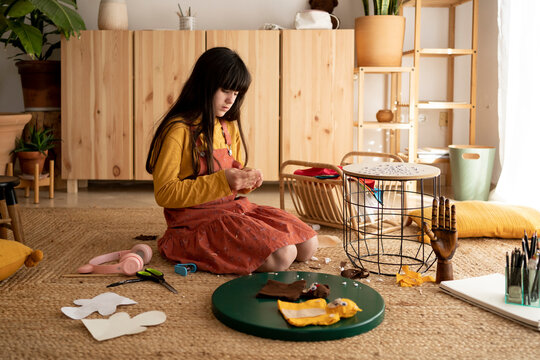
(105, 304)
(121, 324)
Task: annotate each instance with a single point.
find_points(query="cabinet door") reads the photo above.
(317, 95)
(97, 103)
(163, 62)
(260, 112)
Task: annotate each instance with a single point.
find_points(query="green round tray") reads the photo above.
(234, 304)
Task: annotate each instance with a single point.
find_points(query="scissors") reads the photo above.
(148, 274)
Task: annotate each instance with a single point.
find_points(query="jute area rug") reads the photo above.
(420, 322)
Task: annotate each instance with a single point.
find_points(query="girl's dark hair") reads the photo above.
(217, 68)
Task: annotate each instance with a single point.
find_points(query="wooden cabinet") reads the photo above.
(117, 85)
(97, 106)
(163, 62)
(260, 112)
(317, 95)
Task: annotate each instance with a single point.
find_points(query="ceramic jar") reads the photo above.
(384, 115)
(113, 15)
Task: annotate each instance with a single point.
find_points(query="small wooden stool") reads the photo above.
(9, 209)
(35, 181)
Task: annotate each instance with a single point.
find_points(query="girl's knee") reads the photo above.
(307, 249)
(279, 260)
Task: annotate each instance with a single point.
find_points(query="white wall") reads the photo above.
(252, 14)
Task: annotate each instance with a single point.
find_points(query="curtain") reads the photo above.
(519, 103)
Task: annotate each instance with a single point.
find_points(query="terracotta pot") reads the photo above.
(11, 127)
(40, 82)
(28, 160)
(384, 115)
(379, 40)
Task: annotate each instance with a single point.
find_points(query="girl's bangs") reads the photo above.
(237, 79)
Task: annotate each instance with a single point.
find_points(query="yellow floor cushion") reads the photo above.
(491, 220)
(13, 255)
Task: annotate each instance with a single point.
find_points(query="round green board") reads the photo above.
(234, 304)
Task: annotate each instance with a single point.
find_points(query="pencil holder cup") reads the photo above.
(522, 287)
(186, 23)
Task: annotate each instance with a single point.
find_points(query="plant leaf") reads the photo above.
(20, 8)
(65, 18)
(29, 36)
(366, 7)
(384, 7)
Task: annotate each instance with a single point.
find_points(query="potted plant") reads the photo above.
(34, 150)
(33, 27)
(379, 37)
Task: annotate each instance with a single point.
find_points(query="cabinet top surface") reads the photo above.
(392, 171)
(435, 3)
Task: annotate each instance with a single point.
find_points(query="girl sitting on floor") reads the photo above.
(208, 224)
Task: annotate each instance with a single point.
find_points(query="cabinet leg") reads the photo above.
(72, 186)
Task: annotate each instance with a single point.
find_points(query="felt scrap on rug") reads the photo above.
(121, 324)
(317, 311)
(105, 304)
(412, 278)
(326, 241)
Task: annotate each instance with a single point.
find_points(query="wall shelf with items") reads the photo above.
(396, 105)
(450, 53)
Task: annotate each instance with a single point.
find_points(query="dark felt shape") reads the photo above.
(284, 291)
(321, 291)
(355, 273)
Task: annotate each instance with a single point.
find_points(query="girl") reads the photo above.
(207, 223)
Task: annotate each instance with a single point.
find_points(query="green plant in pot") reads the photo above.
(379, 37)
(35, 149)
(34, 27)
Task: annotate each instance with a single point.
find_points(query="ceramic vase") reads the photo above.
(384, 115)
(113, 15)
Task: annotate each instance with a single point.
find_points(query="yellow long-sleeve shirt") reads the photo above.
(172, 189)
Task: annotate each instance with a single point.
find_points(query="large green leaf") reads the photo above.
(20, 8)
(366, 7)
(29, 36)
(66, 19)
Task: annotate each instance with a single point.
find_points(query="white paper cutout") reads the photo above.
(121, 324)
(105, 304)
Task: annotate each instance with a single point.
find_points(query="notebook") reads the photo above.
(487, 292)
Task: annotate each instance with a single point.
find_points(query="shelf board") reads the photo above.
(443, 105)
(424, 161)
(385, 126)
(383, 69)
(441, 52)
(435, 3)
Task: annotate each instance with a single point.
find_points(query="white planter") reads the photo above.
(113, 15)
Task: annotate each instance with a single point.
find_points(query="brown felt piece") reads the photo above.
(283, 291)
(355, 273)
(321, 291)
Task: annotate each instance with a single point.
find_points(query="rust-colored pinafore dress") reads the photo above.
(230, 235)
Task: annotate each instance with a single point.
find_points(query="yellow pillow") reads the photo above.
(490, 220)
(13, 255)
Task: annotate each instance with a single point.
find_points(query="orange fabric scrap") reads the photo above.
(411, 278)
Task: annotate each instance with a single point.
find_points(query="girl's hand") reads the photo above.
(243, 179)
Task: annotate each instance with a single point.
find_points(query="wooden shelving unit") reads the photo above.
(450, 53)
(395, 104)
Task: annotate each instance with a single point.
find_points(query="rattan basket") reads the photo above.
(320, 201)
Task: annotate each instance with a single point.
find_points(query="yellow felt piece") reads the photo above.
(316, 311)
(13, 255)
(491, 220)
(412, 278)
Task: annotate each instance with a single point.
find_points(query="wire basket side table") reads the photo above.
(377, 234)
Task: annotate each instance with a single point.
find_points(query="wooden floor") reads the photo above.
(134, 194)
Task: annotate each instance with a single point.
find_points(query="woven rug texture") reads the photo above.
(419, 323)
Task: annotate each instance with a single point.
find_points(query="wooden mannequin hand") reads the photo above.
(444, 236)
(239, 179)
